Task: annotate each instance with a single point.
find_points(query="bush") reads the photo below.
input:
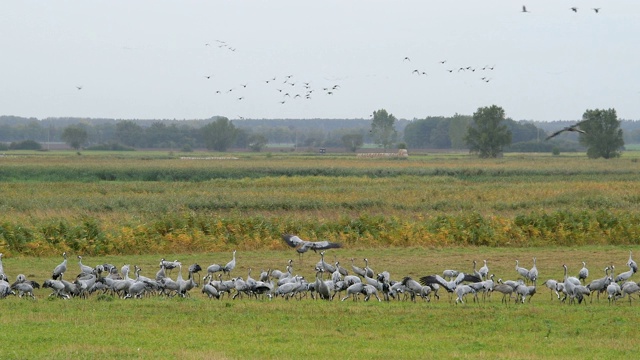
(25, 145)
(555, 151)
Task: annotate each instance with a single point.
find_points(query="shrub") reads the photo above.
(25, 145)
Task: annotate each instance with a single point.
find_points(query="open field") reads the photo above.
(198, 328)
(410, 217)
(136, 203)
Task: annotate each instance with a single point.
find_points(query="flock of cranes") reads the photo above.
(330, 280)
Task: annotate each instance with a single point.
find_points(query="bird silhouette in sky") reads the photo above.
(574, 9)
(524, 9)
(572, 128)
(443, 61)
(406, 58)
(597, 10)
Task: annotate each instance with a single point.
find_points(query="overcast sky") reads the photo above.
(151, 59)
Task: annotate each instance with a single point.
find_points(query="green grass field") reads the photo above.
(411, 217)
(199, 328)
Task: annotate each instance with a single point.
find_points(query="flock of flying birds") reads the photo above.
(331, 280)
(573, 8)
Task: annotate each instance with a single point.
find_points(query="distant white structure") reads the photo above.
(400, 153)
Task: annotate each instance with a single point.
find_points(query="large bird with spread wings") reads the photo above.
(302, 246)
(573, 128)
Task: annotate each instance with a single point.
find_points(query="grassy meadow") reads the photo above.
(199, 328)
(411, 217)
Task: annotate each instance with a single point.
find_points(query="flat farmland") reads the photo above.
(410, 217)
(136, 203)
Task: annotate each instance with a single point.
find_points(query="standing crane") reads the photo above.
(60, 269)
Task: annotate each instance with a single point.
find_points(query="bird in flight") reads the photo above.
(79, 87)
(443, 61)
(573, 128)
(597, 10)
(406, 58)
(574, 9)
(208, 76)
(302, 245)
(524, 9)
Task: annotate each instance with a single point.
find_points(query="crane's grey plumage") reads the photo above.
(84, 269)
(522, 271)
(533, 272)
(230, 265)
(624, 276)
(303, 246)
(583, 273)
(572, 128)
(484, 270)
(359, 271)
(600, 285)
(632, 264)
(60, 269)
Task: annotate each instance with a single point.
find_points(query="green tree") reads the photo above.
(488, 133)
(458, 126)
(603, 136)
(74, 135)
(257, 142)
(219, 135)
(129, 133)
(383, 131)
(352, 142)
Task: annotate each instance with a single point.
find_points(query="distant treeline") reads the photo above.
(427, 133)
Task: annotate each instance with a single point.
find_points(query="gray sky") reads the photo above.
(150, 59)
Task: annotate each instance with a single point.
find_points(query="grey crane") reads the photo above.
(461, 291)
(368, 291)
(624, 276)
(303, 246)
(230, 265)
(569, 286)
(551, 284)
(505, 290)
(324, 266)
(629, 288)
(353, 291)
(583, 274)
(359, 271)
(450, 286)
(210, 291)
(23, 288)
(137, 288)
(522, 271)
(484, 270)
(450, 274)
(522, 291)
(572, 128)
(533, 272)
(632, 264)
(84, 269)
(60, 269)
(169, 265)
(413, 287)
(321, 287)
(600, 285)
(475, 272)
(368, 271)
(57, 287)
(5, 289)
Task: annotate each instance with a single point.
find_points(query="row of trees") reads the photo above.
(599, 132)
(488, 132)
